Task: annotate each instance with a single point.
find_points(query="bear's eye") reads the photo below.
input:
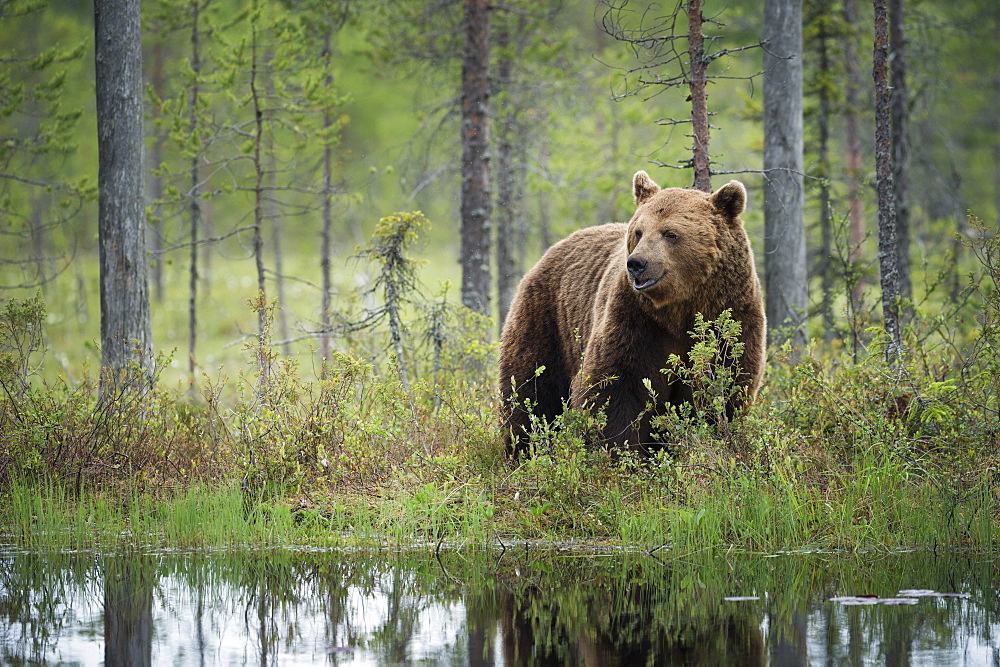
(670, 236)
(638, 234)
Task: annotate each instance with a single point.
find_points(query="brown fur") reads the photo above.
(581, 314)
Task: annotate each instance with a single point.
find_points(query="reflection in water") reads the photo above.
(128, 610)
(538, 607)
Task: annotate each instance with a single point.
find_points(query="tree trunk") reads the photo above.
(274, 215)
(154, 233)
(823, 139)
(784, 227)
(852, 139)
(475, 158)
(262, 348)
(326, 235)
(955, 277)
(506, 278)
(125, 325)
(194, 196)
(544, 219)
(40, 244)
(258, 207)
(205, 276)
(887, 254)
(900, 145)
(698, 86)
(996, 153)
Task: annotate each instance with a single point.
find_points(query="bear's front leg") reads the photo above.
(539, 395)
(622, 399)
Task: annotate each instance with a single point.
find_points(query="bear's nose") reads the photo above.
(636, 266)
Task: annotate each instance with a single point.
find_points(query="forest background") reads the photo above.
(359, 127)
(383, 97)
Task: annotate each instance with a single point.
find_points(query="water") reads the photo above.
(523, 605)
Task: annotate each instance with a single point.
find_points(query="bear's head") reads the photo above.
(676, 238)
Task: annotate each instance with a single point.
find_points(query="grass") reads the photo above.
(833, 454)
(352, 459)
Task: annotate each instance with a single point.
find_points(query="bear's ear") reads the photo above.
(643, 187)
(730, 199)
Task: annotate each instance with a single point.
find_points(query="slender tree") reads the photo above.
(900, 112)
(494, 98)
(326, 235)
(257, 134)
(784, 227)
(286, 126)
(701, 157)
(888, 256)
(321, 22)
(396, 280)
(852, 141)
(277, 248)
(184, 108)
(820, 84)
(505, 205)
(194, 193)
(996, 145)
(514, 84)
(672, 57)
(154, 231)
(125, 320)
(475, 133)
(518, 83)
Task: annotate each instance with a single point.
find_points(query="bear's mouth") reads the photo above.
(641, 285)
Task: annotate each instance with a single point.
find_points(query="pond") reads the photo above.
(508, 605)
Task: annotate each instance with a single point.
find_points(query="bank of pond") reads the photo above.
(214, 576)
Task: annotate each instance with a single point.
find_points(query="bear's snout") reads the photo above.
(637, 270)
(636, 267)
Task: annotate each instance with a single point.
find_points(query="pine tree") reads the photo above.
(126, 339)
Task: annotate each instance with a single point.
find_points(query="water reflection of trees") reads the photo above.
(542, 607)
(625, 616)
(128, 581)
(39, 594)
(640, 610)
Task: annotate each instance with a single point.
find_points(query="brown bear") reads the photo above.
(604, 308)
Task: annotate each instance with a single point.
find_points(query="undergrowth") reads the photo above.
(833, 453)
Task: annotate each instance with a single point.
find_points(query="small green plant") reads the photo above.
(711, 375)
(396, 279)
(21, 333)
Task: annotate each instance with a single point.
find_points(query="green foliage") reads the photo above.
(21, 333)
(562, 484)
(39, 136)
(710, 371)
(397, 277)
